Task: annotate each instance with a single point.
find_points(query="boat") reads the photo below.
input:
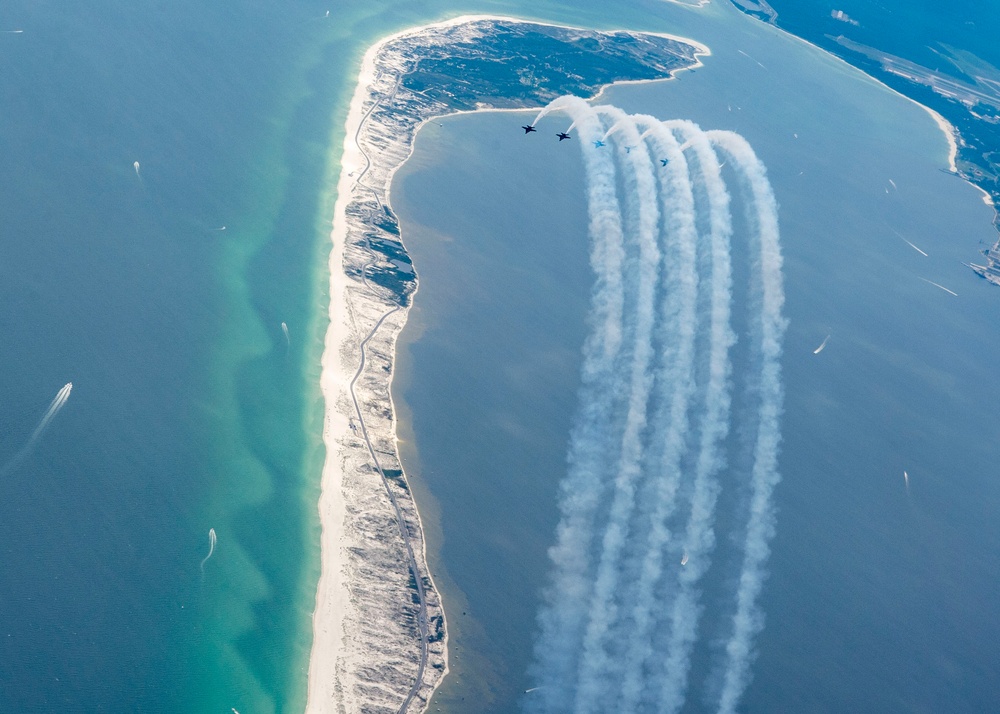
(990, 271)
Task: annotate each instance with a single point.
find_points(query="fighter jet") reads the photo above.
(528, 128)
(664, 162)
(563, 135)
(598, 144)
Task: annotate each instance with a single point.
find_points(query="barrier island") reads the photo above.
(379, 630)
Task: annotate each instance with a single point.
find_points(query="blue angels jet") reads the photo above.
(664, 162)
(563, 135)
(598, 144)
(528, 128)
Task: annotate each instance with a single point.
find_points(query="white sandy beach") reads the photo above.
(333, 658)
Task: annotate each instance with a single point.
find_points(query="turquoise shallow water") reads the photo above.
(188, 412)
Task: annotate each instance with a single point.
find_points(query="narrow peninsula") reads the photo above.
(379, 634)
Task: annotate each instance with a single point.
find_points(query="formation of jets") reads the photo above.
(528, 128)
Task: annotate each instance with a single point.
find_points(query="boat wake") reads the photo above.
(62, 396)
(211, 549)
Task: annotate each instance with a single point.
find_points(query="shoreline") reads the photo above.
(365, 626)
(332, 598)
(943, 124)
(953, 135)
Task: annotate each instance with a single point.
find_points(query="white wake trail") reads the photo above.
(699, 535)
(767, 297)
(62, 396)
(562, 616)
(675, 387)
(211, 548)
(598, 666)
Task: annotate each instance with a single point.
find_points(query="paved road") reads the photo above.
(400, 521)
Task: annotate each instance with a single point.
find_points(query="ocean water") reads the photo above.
(879, 596)
(190, 412)
(187, 411)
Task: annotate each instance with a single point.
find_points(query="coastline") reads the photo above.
(329, 661)
(371, 614)
(963, 161)
(951, 133)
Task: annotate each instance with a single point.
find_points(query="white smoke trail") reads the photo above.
(599, 622)
(288, 339)
(767, 299)
(675, 387)
(211, 548)
(598, 666)
(605, 229)
(699, 535)
(54, 408)
(561, 618)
